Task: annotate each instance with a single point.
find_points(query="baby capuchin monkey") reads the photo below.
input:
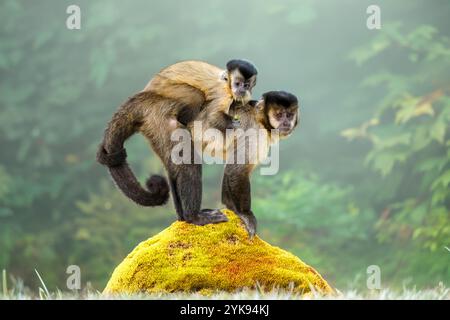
(276, 113)
(206, 91)
(177, 96)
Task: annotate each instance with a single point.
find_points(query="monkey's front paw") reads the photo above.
(250, 224)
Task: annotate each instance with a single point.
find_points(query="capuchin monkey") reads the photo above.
(276, 110)
(206, 90)
(176, 96)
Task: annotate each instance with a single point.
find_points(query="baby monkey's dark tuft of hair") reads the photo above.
(246, 68)
(282, 98)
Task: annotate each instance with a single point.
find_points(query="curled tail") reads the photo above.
(111, 153)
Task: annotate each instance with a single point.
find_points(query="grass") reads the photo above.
(14, 289)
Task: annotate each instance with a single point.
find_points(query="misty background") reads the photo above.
(364, 180)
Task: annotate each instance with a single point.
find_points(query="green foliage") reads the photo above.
(308, 202)
(323, 218)
(109, 225)
(410, 136)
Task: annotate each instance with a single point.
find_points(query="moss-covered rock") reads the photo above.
(185, 257)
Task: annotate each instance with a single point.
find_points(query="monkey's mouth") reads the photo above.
(284, 129)
(240, 94)
(240, 99)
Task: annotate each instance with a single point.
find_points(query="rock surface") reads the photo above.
(190, 258)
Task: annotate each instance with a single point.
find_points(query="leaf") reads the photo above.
(431, 164)
(421, 139)
(425, 108)
(365, 53)
(360, 132)
(443, 180)
(410, 107)
(384, 162)
(439, 196)
(438, 130)
(402, 139)
(352, 134)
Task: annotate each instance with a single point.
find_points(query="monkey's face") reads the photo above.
(283, 118)
(241, 79)
(241, 87)
(281, 111)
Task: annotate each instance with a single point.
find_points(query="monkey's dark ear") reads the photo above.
(246, 68)
(224, 76)
(260, 105)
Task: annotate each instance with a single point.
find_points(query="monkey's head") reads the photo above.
(280, 111)
(241, 77)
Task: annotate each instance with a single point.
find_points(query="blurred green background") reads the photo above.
(363, 181)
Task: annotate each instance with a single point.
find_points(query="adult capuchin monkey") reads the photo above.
(276, 110)
(177, 95)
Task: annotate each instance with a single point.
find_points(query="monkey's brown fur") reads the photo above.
(179, 94)
(192, 83)
(236, 192)
(146, 111)
(176, 97)
(205, 90)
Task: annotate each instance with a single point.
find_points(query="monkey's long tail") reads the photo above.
(111, 153)
(157, 192)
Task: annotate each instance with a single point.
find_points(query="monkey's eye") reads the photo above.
(278, 116)
(246, 85)
(290, 116)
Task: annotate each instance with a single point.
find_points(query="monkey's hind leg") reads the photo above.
(187, 181)
(177, 202)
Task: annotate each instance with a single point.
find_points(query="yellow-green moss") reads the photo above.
(185, 257)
